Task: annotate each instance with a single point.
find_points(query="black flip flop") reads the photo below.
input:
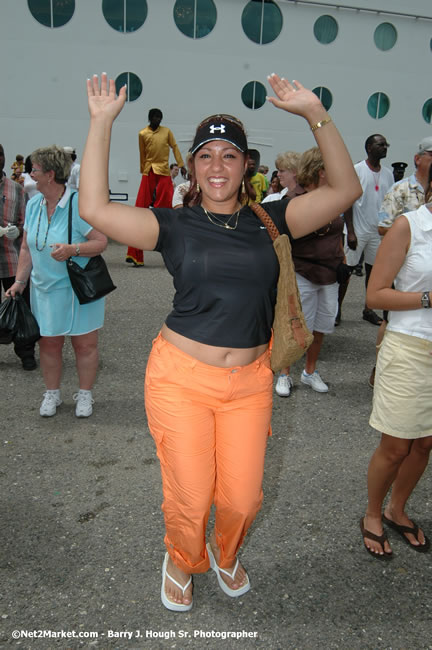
(375, 538)
(372, 317)
(413, 530)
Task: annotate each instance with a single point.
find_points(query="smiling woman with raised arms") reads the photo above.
(208, 387)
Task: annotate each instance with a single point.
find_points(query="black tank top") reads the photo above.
(225, 280)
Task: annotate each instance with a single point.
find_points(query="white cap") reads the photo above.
(425, 145)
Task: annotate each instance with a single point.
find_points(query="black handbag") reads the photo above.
(91, 282)
(343, 273)
(342, 270)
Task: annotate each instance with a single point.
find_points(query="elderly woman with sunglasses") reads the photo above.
(42, 260)
(208, 387)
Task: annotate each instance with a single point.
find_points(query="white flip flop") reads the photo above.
(234, 593)
(169, 604)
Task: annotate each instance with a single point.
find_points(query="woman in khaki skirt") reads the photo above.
(402, 404)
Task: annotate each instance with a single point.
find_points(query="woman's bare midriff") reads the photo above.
(211, 354)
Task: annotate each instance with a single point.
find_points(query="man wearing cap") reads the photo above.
(407, 194)
(156, 186)
(399, 170)
(404, 196)
(362, 218)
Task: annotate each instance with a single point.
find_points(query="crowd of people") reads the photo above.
(208, 384)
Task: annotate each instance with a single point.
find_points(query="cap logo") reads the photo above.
(220, 128)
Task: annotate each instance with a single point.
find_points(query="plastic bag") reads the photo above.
(26, 326)
(8, 317)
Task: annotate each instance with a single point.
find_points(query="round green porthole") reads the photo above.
(262, 21)
(134, 85)
(52, 13)
(427, 111)
(125, 15)
(195, 18)
(385, 36)
(253, 95)
(378, 105)
(325, 96)
(325, 29)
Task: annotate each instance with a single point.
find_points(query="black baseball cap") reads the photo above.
(400, 165)
(220, 127)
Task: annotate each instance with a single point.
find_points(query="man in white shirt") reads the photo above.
(73, 180)
(403, 196)
(362, 218)
(174, 171)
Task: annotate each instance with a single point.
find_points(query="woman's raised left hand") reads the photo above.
(295, 98)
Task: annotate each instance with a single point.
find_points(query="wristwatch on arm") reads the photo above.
(425, 300)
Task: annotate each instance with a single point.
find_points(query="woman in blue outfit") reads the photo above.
(42, 259)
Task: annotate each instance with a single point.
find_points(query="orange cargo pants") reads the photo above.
(210, 426)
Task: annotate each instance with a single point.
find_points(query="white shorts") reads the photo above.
(319, 303)
(367, 244)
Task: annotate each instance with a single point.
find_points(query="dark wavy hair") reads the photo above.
(28, 165)
(193, 196)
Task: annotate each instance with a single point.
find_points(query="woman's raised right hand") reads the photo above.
(102, 98)
(294, 98)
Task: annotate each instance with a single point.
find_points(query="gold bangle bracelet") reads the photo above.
(318, 125)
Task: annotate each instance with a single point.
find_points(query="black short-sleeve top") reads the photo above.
(225, 280)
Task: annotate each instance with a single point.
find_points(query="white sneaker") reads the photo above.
(314, 381)
(84, 400)
(50, 402)
(284, 385)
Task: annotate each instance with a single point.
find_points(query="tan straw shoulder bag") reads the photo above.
(291, 337)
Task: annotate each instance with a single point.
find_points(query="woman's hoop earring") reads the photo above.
(243, 187)
(198, 188)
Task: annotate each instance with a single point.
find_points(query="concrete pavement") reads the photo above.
(81, 527)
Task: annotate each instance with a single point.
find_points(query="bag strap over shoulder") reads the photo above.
(70, 218)
(266, 219)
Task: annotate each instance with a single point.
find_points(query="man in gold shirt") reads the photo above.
(257, 180)
(156, 186)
